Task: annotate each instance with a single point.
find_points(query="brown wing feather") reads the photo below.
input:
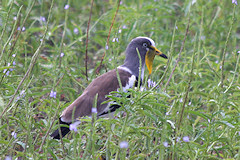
(102, 85)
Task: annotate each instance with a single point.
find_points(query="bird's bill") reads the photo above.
(151, 53)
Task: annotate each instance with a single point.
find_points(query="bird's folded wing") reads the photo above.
(102, 86)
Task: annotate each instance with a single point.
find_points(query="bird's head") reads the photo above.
(147, 50)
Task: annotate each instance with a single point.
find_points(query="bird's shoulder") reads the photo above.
(108, 82)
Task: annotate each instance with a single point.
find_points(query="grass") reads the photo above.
(192, 112)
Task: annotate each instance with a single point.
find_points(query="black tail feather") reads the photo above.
(64, 130)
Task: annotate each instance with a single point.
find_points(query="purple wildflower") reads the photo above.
(186, 139)
(8, 158)
(94, 110)
(165, 144)
(66, 6)
(43, 19)
(23, 29)
(178, 139)
(123, 144)
(106, 47)
(181, 100)
(73, 127)
(151, 83)
(14, 134)
(75, 31)
(62, 54)
(53, 94)
(234, 2)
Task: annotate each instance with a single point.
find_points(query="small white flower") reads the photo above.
(216, 61)
(14, 134)
(15, 18)
(114, 39)
(165, 144)
(193, 1)
(123, 144)
(189, 103)
(14, 55)
(14, 63)
(238, 52)
(124, 27)
(119, 31)
(94, 110)
(62, 54)
(66, 6)
(41, 40)
(176, 27)
(186, 139)
(110, 59)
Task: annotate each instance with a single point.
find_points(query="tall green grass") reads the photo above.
(191, 113)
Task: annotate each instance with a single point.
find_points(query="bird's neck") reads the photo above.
(135, 68)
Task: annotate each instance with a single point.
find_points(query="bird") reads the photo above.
(108, 82)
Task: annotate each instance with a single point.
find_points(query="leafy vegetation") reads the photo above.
(191, 112)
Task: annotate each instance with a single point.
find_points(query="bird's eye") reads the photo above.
(144, 44)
